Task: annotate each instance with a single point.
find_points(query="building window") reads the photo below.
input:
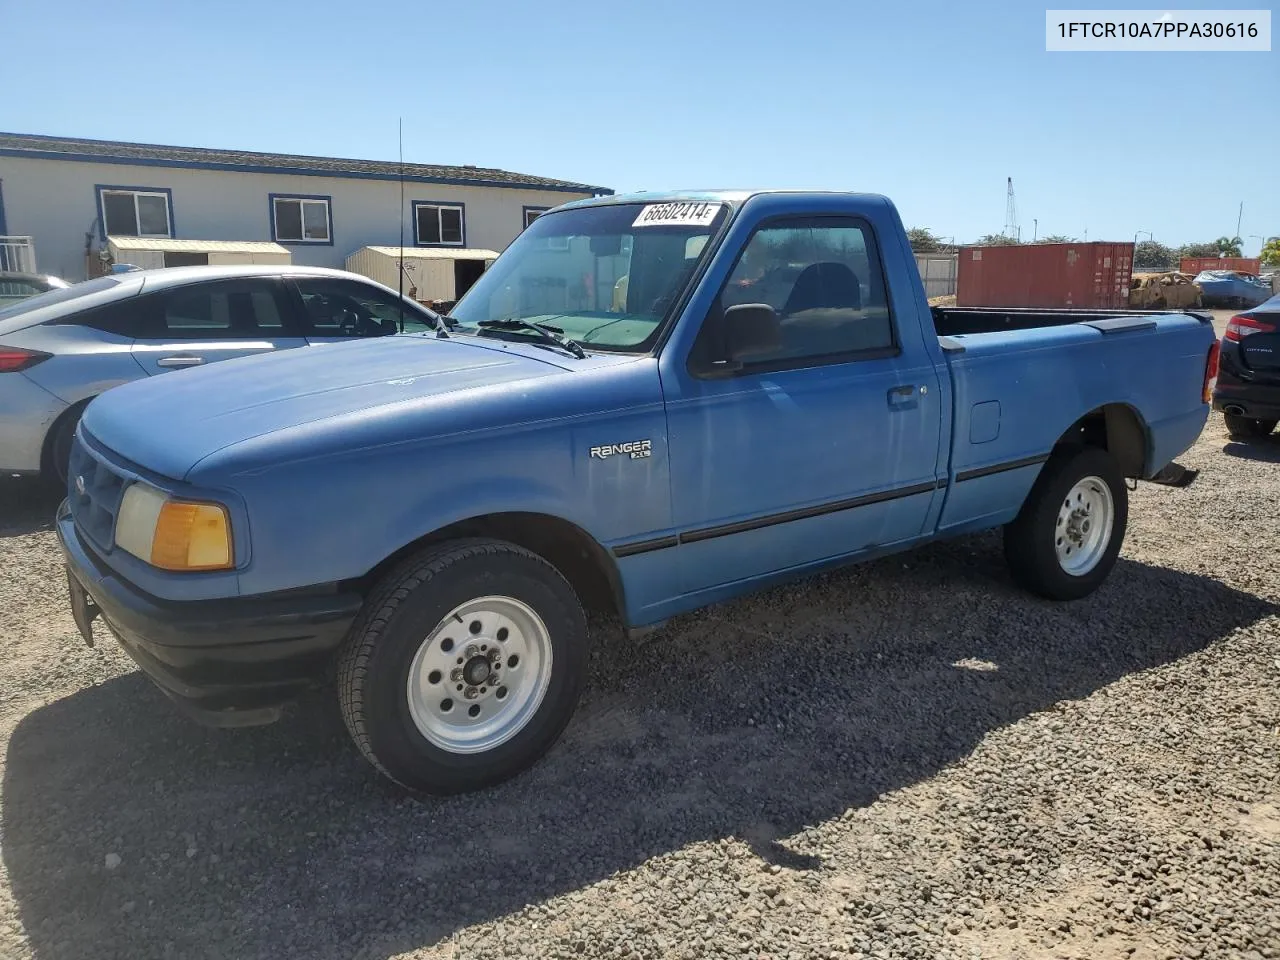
(135, 211)
(533, 213)
(301, 219)
(439, 224)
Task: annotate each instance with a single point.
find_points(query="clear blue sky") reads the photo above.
(933, 104)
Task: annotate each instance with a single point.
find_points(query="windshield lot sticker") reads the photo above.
(638, 449)
(677, 215)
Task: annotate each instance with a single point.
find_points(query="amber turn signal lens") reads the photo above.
(192, 536)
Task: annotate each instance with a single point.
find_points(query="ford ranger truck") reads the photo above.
(650, 404)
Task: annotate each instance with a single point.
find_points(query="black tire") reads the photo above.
(58, 446)
(1030, 540)
(1248, 428)
(397, 619)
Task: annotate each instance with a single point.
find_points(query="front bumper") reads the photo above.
(231, 662)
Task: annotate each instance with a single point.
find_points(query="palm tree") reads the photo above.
(1229, 246)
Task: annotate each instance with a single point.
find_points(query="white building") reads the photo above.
(72, 196)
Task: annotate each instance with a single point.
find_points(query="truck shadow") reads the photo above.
(749, 720)
(27, 506)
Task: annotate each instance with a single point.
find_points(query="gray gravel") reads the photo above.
(907, 759)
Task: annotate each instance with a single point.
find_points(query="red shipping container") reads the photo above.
(1045, 275)
(1194, 265)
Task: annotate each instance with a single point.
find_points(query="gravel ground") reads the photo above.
(906, 759)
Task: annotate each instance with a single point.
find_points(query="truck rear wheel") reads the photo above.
(1248, 428)
(464, 666)
(1068, 534)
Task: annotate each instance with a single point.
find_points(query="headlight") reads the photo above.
(174, 534)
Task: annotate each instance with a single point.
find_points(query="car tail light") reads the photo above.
(1210, 373)
(13, 359)
(1240, 327)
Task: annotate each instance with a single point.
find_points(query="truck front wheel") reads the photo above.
(464, 666)
(1067, 536)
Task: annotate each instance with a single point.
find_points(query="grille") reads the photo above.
(94, 509)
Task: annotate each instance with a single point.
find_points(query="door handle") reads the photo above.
(904, 395)
(180, 361)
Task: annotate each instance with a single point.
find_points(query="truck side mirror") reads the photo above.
(750, 330)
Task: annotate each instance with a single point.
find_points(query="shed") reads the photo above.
(938, 273)
(431, 274)
(150, 252)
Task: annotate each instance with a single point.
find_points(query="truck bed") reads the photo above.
(953, 321)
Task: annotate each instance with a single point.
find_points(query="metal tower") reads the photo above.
(1011, 216)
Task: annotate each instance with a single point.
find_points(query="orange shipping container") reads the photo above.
(1080, 275)
(1194, 265)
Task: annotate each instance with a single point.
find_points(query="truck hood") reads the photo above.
(169, 423)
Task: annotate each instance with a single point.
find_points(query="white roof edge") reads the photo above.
(196, 246)
(434, 253)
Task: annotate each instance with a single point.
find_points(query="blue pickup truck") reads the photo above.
(649, 404)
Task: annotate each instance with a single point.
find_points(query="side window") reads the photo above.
(824, 278)
(124, 318)
(301, 219)
(219, 311)
(135, 212)
(438, 224)
(339, 308)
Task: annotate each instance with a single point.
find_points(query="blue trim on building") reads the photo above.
(4, 226)
(271, 215)
(296, 171)
(417, 242)
(524, 215)
(102, 219)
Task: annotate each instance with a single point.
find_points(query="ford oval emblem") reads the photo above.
(80, 485)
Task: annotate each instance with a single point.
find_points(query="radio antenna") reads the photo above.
(400, 272)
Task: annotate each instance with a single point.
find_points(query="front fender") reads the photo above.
(496, 495)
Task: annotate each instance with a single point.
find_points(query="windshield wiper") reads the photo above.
(544, 332)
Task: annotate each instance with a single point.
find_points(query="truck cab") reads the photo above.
(649, 403)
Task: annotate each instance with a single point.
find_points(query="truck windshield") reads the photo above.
(606, 276)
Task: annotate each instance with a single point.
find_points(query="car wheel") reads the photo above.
(1068, 534)
(464, 667)
(58, 451)
(1248, 428)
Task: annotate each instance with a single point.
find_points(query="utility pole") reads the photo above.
(1239, 217)
(1035, 229)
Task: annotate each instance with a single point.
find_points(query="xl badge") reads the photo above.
(638, 449)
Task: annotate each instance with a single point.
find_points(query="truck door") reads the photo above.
(824, 448)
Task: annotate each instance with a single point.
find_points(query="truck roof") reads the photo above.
(712, 196)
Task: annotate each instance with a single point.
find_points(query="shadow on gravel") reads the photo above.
(751, 720)
(1265, 450)
(27, 506)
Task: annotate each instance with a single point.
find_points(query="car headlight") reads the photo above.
(174, 534)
